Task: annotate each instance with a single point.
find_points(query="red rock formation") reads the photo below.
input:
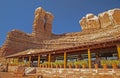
(116, 16)
(42, 27)
(43, 39)
(105, 19)
(89, 22)
(48, 24)
(19, 41)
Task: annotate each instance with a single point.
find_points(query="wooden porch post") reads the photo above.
(10, 59)
(65, 59)
(89, 58)
(38, 60)
(9, 62)
(29, 60)
(17, 59)
(118, 49)
(23, 60)
(49, 60)
(6, 60)
(13, 61)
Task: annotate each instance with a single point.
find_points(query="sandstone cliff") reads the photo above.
(19, 41)
(106, 26)
(105, 19)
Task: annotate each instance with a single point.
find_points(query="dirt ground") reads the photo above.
(5, 75)
(10, 75)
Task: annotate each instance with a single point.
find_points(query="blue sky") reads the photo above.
(19, 14)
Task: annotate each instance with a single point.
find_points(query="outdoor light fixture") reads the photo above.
(44, 55)
(53, 52)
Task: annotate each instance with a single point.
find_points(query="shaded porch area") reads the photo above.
(77, 61)
(71, 59)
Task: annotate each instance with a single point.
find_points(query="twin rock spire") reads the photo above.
(42, 25)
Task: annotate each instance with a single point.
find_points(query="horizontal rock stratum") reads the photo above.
(95, 29)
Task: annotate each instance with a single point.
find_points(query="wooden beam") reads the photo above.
(89, 58)
(17, 59)
(49, 60)
(118, 49)
(13, 61)
(29, 60)
(65, 59)
(38, 60)
(9, 61)
(23, 60)
(6, 60)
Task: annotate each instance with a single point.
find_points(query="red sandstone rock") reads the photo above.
(43, 39)
(90, 22)
(42, 27)
(116, 16)
(105, 19)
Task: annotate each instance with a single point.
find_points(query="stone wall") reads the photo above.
(105, 19)
(78, 73)
(12, 68)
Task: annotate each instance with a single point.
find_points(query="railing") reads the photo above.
(79, 64)
(18, 63)
(105, 64)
